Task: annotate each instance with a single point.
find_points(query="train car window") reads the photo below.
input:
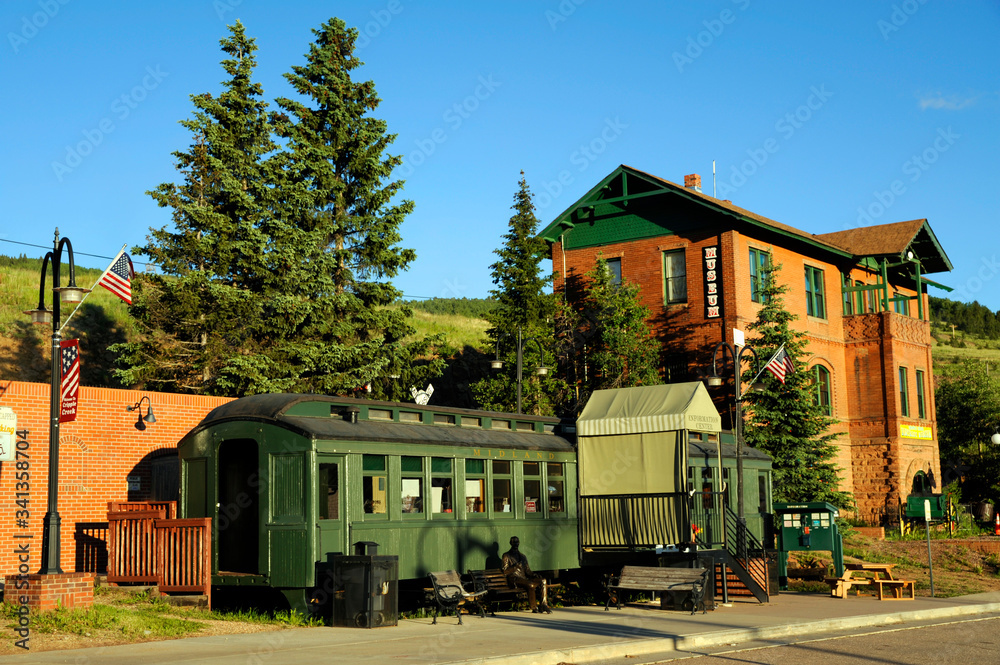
(444, 419)
(725, 485)
(471, 422)
(532, 489)
(554, 471)
(442, 499)
(503, 500)
(501, 424)
(329, 492)
(412, 496)
(379, 414)
(525, 426)
(475, 486)
(409, 417)
(762, 492)
(374, 484)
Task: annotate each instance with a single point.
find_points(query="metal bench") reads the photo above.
(646, 578)
(450, 593)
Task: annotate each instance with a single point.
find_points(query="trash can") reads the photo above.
(366, 588)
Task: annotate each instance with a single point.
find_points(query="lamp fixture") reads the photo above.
(995, 438)
(140, 423)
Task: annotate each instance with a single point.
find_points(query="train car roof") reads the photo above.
(275, 408)
(710, 449)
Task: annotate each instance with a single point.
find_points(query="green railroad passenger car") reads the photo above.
(293, 480)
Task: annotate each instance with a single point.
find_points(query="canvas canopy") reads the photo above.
(665, 408)
(633, 440)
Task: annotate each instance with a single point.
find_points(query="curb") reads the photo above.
(721, 637)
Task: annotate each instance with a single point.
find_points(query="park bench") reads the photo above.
(647, 578)
(450, 593)
(493, 583)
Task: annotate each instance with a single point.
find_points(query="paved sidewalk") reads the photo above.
(568, 635)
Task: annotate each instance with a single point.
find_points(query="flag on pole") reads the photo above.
(780, 365)
(70, 385)
(118, 277)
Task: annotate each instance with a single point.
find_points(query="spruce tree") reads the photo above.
(522, 308)
(337, 227)
(785, 420)
(623, 352)
(196, 318)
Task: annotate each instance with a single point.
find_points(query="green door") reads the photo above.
(332, 504)
(289, 550)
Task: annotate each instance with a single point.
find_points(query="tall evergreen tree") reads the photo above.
(523, 308)
(195, 319)
(338, 229)
(786, 419)
(623, 353)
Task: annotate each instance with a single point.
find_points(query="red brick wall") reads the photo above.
(97, 453)
(863, 352)
(42, 593)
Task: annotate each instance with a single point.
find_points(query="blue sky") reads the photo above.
(824, 116)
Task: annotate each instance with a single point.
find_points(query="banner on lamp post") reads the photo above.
(8, 433)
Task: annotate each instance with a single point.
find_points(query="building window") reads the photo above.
(615, 268)
(904, 397)
(901, 306)
(674, 277)
(815, 300)
(845, 282)
(821, 388)
(921, 403)
(760, 266)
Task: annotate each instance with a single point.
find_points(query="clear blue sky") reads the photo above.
(857, 112)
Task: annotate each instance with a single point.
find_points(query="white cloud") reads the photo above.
(938, 101)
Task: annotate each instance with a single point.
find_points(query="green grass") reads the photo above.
(144, 622)
(459, 331)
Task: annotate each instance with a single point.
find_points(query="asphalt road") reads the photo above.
(973, 641)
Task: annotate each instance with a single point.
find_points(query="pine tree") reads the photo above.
(785, 420)
(523, 308)
(338, 228)
(623, 352)
(195, 318)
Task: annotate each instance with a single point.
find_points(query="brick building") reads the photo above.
(102, 457)
(859, 295)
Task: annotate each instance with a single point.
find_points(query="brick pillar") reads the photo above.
(41, 593)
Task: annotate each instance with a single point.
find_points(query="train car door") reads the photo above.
(330, 517)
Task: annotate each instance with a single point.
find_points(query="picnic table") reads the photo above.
(878, 575)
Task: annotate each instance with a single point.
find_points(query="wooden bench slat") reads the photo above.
(647, 578)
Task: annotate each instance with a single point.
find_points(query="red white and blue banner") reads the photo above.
(70, 385)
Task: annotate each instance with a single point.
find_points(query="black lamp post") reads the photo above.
(541, 370)
(715, 380)
(70, 294)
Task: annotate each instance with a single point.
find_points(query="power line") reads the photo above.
(75, 253)
(146, 263)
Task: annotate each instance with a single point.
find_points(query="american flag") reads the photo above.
(780, 365)
(70, 352)
(118, 277)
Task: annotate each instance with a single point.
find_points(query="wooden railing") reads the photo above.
(145, 547)
(127, 506)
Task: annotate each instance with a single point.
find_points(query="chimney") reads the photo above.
(693, 181)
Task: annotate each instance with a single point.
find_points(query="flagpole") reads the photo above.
(754, 379)
(92, 288)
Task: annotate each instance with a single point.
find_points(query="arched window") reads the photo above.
(821, 389)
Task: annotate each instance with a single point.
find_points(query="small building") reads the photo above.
(859, 295)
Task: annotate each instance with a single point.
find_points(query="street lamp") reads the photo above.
(541, 370)
(140, 424)
(715, 380)
(71, 294)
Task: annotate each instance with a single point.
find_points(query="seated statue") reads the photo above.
(519, 574)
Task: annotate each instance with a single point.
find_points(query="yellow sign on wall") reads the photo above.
(915, 432)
